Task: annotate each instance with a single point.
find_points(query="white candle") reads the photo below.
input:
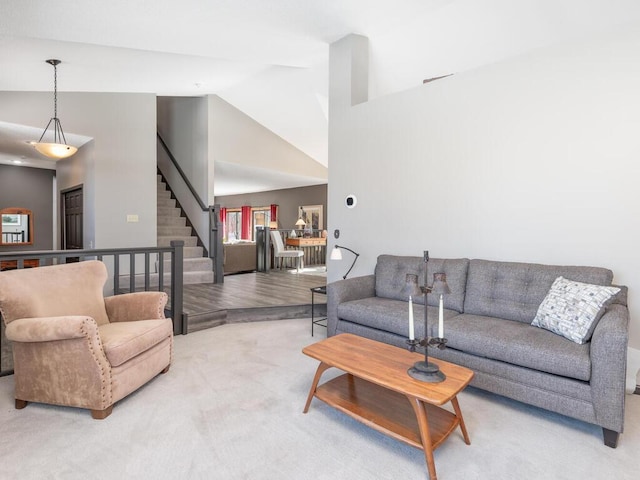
(440, 320)
(412, 334)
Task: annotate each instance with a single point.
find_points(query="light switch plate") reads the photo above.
(132, 218)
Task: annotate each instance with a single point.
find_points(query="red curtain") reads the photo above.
(274, 213)
(223, 221)
(245, 234)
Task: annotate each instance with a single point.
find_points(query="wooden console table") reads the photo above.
(314, 249)
(377, 391)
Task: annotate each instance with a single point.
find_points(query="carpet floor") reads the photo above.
(231, 408)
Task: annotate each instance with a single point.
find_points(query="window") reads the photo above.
(233, 225)
(261, 217)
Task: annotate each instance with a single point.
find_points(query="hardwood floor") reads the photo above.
(253, 296)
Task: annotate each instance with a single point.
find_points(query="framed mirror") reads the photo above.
(16, 227)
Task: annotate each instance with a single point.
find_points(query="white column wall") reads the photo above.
(533, 159)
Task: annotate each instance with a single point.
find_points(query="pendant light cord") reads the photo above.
(55, 91)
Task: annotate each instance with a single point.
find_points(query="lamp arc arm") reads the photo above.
(354, 260)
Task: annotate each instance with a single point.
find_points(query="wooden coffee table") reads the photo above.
(377, 391)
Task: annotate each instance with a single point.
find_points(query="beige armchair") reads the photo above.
(74, 347)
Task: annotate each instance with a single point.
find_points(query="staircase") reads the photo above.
(173, 226)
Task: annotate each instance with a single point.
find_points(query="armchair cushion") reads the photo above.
(122, 341)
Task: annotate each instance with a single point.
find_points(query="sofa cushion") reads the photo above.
(519, 344)
(389, 315)
(391, 272)
(572, 309)
(122, 341)
(514, 291)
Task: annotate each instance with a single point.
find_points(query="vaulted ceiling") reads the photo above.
(269, 58)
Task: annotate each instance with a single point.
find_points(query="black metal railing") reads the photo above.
(137, 278)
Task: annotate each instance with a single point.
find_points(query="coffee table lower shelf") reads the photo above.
(385, 410)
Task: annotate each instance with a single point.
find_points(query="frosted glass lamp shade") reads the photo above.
(55, 150)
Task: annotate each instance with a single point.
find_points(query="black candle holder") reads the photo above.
(426, 371)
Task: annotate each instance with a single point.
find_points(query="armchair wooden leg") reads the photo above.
(102, 414)
(166, 369)
(20, 404)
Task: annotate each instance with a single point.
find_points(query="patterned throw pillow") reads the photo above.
(572, 309)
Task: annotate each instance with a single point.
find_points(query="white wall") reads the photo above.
(536, 159)
(239, 139)
(118, 167)
(183, 124)
(74, 171)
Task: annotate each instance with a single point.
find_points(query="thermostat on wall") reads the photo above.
(350, 201)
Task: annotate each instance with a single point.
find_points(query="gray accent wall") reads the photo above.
(30, 188)
(533, 159)
(288, 201)
(117, 168)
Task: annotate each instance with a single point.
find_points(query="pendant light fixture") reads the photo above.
(59, 148)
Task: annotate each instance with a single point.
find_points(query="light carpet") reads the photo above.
(231, 408)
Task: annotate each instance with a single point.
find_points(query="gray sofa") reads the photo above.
(487, 319)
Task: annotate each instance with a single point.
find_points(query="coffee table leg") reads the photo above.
(425, 435)
(456, 408)
(321, 368)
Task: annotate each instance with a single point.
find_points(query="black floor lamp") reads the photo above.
(336, 254)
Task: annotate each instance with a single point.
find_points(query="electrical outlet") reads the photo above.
(132, 218)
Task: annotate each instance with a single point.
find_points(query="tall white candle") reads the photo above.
(412, 334)
(440, 320)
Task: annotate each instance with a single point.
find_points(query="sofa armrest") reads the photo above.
(47, 329)
(344, 291)
(130, 307)
(609, 365)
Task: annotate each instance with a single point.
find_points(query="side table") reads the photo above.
(317, 321)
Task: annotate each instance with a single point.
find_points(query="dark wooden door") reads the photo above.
(72, 219)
